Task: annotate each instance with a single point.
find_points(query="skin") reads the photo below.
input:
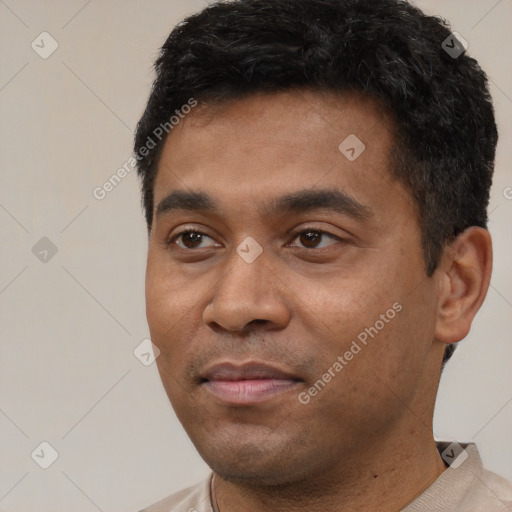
(365, 441)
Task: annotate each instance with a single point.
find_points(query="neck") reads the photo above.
(384, 477)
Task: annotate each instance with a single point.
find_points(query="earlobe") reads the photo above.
(464, 276)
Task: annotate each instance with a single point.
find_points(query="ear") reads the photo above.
(464, 275)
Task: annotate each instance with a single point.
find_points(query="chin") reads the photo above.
(256, 458)
(254, 474)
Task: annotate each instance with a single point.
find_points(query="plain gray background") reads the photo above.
(70, 321)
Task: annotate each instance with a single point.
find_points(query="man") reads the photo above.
(315, 178)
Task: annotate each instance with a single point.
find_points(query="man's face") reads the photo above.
(249, 347)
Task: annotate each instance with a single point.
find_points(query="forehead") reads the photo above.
(268, 145)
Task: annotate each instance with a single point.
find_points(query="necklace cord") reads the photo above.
(213, 497)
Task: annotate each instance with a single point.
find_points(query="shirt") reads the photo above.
(465, 486)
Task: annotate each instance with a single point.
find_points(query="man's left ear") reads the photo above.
(464, 276)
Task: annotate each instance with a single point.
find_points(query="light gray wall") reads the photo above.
(69, 325)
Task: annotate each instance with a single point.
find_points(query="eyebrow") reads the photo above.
(301, 201)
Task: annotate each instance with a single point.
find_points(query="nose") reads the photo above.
(248, 294)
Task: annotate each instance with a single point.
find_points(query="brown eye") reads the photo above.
(189, 239)
(311, 239)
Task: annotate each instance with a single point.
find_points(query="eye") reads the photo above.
(190, 239)
(312, 238)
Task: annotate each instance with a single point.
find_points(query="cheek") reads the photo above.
(344, 308)
(373, 325)
(171, 307)
(169, 315)
(169, 297)
(395, 345)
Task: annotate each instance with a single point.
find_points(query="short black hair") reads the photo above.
(446, 134)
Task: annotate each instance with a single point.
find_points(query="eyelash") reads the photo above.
(295, 235)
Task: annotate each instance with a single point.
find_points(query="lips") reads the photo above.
(249, 383)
